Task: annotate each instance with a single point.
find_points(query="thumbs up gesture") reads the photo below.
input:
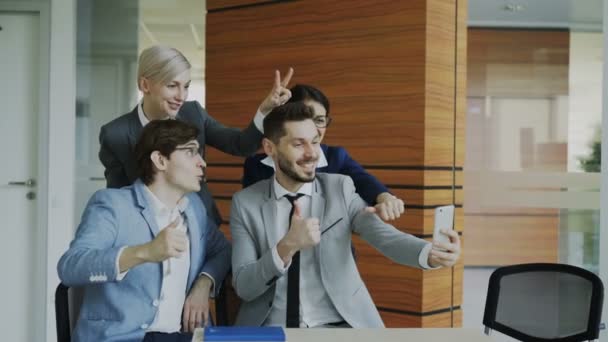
(303, 232)
(171, 242)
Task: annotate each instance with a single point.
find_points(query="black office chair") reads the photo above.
(67, 307)
(544, 302)
(227, 304)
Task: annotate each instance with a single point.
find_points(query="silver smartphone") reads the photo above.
(444, 219)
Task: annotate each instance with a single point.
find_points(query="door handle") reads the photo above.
(29, 183)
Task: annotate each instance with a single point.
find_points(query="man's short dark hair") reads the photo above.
(163, 136)
(274, 123)
(304, 92)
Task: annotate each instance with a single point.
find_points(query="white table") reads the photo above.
(386, 335)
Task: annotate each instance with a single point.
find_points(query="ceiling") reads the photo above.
(178, 23)
(579, 15)
(181, 23)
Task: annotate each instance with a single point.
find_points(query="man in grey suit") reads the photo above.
(164, 79)
(296, 268)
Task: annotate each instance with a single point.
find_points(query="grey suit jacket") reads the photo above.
(254, 234)
(118, 138)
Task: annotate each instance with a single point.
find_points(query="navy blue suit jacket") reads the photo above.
(338, 161)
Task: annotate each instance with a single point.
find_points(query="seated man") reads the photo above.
(309, 239)
(140, 250)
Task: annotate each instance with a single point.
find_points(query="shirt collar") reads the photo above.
(321, 163)
(142, 116)
(161, 208)
(280, 191)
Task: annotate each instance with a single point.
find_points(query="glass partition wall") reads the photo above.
(532, 182)
(110, 35)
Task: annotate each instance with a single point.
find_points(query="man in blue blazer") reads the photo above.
(147, 255)
(332, 159)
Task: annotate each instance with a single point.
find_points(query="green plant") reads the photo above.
(593, 162)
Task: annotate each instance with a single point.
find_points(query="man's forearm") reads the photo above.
(203, 282)
(131, 257)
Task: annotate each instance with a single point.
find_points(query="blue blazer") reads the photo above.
(338, 161)
(121, 310)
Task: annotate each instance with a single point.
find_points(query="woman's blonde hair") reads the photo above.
(161, 64)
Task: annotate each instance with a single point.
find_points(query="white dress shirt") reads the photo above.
(316, 307)
(258, 119)
(175, 270)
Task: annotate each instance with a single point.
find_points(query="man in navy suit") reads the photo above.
(147, 254)
(333, 159)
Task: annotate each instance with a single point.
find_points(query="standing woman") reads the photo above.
(163, 76)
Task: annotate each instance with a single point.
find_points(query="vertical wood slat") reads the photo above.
(355, 53)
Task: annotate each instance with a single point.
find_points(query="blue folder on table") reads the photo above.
(244, 334)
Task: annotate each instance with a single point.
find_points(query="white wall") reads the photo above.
(57, 141)
(603, 248)
(62, 94)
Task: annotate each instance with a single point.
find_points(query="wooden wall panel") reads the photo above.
(519, 233)
(386, 66)
(219, 5)
(437, 320)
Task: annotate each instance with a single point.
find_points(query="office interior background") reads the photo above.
(493, 105)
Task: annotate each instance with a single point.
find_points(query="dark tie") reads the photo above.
(293, 279)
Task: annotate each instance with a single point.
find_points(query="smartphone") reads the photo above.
(444, 219)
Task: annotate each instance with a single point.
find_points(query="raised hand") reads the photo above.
(445, 254)
(303, 233)
(169, 243)
(279, 94)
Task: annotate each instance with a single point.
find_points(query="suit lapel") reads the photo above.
(317, 209)
(269, 216)
(146, 209)
(195, 233)
(135, 127)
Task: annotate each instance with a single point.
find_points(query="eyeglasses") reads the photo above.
(321, 121)
(191, 151)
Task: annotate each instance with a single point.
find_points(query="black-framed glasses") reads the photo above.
(321, 121)
(191, 151)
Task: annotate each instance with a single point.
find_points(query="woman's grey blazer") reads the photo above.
(118, 138)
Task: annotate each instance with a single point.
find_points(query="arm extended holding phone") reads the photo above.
(446, 242)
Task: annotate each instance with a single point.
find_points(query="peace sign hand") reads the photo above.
(279, 94)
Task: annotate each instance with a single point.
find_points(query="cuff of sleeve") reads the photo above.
(423, 257)
(258, 120)
(278, 262)
(120, 276)
(212, 289)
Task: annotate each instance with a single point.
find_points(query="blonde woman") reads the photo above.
(163, 76)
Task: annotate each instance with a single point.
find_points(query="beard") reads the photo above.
(290, 171)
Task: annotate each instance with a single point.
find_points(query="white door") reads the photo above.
(19, 88)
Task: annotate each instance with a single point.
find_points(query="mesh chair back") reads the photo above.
(544, 302)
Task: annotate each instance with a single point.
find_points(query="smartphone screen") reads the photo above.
(444, 219)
